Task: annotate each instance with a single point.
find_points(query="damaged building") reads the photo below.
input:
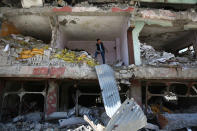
(50, 80)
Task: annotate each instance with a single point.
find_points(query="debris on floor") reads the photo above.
(178, 121)
(161, 118)
(156, 58)
(71, 121)
(88, 118)
(54, 121)
(159, 109)
(152, 127)
(57, 115)
(75, 57)
(25, 50)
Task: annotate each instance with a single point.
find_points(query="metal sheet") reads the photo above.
(109, 88)
(129, 117)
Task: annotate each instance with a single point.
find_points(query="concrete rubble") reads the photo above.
(55, 121)
(25, 50)
(157, 58)
(178, 121)
(18, 50)
(163, 119)
(70, 122)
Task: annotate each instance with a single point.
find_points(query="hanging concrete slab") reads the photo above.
(109, 89)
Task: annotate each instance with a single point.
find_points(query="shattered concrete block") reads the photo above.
(104, 118)
(18, 118)
(57, 115)
(123, 71)
(38, 127)
(152, 127)
(71, 121)
(35, 116)
(84, 111)
(82, 128)
(126, 76)
(131, 66)
(125, 81)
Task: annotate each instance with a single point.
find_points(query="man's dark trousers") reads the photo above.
(102, 54)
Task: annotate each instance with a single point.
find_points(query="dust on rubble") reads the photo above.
(25, 50)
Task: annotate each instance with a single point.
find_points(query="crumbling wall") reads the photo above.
(152, 57)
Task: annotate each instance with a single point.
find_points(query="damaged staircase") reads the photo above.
(126, 117)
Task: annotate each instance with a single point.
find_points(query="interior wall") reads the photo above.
(124, 43)
(90, 47)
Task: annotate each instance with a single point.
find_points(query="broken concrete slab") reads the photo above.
(33, 117)
(57, 115)
(97, 127)
(18, 118)
(71, 121)
(152, 127)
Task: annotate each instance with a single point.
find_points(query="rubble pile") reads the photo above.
(25, 50)
(58, 120)
(75, 57)
(155, 58)
(41, 126)
(102, 6)
(124, 73)
(162, 117)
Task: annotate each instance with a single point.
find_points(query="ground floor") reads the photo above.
(173, 95)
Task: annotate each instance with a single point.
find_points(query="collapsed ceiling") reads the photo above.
(89, 28)
(75, 28)
(165, 38)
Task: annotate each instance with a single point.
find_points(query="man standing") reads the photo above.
(100, 49)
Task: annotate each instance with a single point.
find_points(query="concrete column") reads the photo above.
(118, 49)
(51, 99)
(54, 30)
(136, 43)
(58, 38)
(135, 91)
